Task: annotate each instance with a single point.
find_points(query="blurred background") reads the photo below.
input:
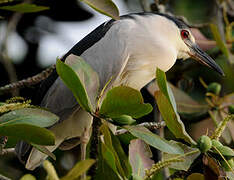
(33, 41)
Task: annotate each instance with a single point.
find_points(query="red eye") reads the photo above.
(184, 34)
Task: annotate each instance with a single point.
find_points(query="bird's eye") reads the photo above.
(184, 34)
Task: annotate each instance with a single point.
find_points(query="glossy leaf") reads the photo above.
(80, 168)
(25, 8)
(29, 133)
(123, 100)
(106, 7)
(167, 106)
(31, 116)
(139, 157)
(188, 160)
(154, 140)
(80, 79)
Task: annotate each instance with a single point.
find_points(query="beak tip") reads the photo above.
(220, 71)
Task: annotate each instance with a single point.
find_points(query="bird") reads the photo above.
(127, 51)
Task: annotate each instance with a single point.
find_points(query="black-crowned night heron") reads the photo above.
(129, 50)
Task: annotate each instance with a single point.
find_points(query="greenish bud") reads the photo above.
(216, 143)
(231, 109)
(204, 143)
(123, 120)
(214, 88)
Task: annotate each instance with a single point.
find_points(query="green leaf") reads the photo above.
(29, 133)
(106, 7)
(123, 100)
(25, 8)
(196, 176)
(104, 170)
(28, 177)
(81, 79)
(154, 140)
(139, 156)
(114, 154)
(80, 168)
(44, 150)
(125, 164)
(109, 158)
(188, 160)
(167, 106)
(31, 116)
(218, 39)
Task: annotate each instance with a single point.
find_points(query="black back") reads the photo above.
(78, 49)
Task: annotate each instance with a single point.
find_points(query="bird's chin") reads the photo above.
(183, 55)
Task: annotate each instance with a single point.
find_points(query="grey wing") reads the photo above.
(107, 57)
(60, 100)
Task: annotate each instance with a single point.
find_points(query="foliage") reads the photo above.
(23, 120)
(123, 106)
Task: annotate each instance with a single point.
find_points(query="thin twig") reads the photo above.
(28, 82)
(8, 65)
(149, 125)
(8, 151)
(4, 177)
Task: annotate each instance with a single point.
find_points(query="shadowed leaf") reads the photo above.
(25, 8)
(106, 7)
(139, 157)
(29, 133)
(196, 176)
(211, 168)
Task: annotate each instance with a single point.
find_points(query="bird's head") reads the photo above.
(187, 47)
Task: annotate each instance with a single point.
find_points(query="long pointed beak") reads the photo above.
(198, 54)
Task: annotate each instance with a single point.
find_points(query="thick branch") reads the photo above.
(27, 82)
